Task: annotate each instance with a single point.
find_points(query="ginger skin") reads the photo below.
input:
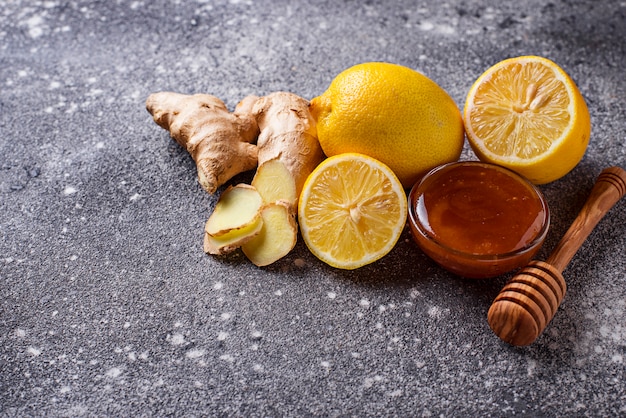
(220, 142)
(289, 133)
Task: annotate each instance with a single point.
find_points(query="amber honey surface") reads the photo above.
(480, 209)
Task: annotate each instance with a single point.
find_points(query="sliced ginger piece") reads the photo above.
(235, 220)
(274, 182)
(277, 237)
(230, 241)
(238, 207)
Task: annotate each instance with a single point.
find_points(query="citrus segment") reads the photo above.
(527, 114)
(391, 113)
(352, 210)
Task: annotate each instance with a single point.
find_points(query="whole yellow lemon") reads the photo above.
(393, 114)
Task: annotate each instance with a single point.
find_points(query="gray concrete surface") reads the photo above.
(108, 305)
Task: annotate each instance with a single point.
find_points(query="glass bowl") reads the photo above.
(477, 220)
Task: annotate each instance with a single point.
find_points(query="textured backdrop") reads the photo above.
(108, 305)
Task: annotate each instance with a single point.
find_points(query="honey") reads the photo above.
(477, 219)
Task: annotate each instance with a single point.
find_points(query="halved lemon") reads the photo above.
(527, 114)
(351, 211)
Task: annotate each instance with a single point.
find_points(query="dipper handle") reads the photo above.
(528, 302)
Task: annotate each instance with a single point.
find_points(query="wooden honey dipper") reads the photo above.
(528, 302)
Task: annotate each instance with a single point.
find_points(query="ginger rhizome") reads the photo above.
(220, 142)
(288, 133)
(259, 218)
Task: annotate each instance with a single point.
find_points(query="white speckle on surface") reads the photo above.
(256, 335)
(73, 107)
(394, 393)
(54, 85)
(99, 145)
(35, 26)
(365, 303)
(33, 351)
(436, 312)
(113, 372)
(176, 339)
(20, 333)
(426, 26)
(414, 294)
(73, 258)
(257, 367)
(325, 364)
(126, 325)
(221, 336)
(369, 381)
(530, 367)
(218, 286)
(617, 358)
(134, 197)
(225, 316)
(195, 353)
(65, 389)
(354, 354)
(278, 292)
(227, 357)
(132, 356)
(69, 190)
(331, 295)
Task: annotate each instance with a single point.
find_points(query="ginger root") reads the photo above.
(219, 142)
(222, 145)
(288, 133)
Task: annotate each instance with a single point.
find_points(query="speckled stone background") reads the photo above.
(108, 305)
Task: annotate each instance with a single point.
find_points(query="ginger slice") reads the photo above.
(277, 237)
(235, 220)
(275, 182)
(229, 242)
(237, 207)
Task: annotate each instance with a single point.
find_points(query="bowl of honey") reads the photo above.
(477, 220)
